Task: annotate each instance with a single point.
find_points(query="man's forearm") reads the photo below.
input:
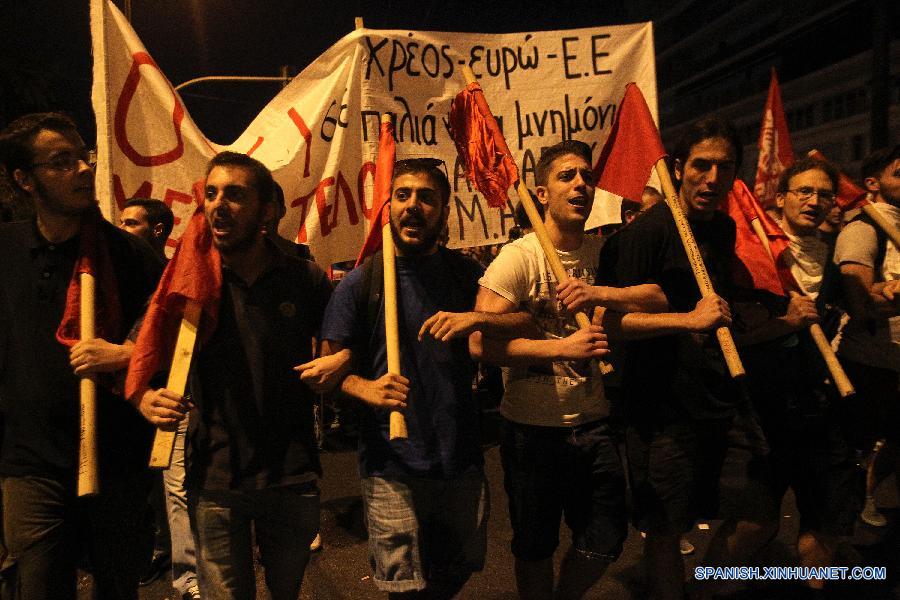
(507, 325)
(354, 386)
(641, 326)
(883, 307)
(514, 352)
(645, 298)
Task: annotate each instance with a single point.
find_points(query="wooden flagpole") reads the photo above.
(838, 375)
(726, 341)
(397, 424)
(164, 442)
(537, 223)
(88, 481)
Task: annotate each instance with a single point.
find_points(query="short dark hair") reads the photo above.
(878, 161)
(265, 185)
(157, 212)
(427, 166)
(713, 126)
(16, 139)
(807, 163)
(542, 170)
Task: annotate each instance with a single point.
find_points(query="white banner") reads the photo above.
(319, 135)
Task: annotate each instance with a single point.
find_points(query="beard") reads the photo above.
(428, 241)
(52, 204)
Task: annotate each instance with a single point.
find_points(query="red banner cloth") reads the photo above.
(194, 273)
(754, 268)
(94, 259)
(631, 150)
(775, 151)
(381, 197)
(849, 196)
(481, 145)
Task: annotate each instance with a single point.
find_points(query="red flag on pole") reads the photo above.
(480, 143)
(381, 197)
(759, 271)
(93, 258)
(849, 195)
(631, 150)
(194, 273)
(775, 151)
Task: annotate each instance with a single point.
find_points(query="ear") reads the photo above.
(678, 169)
(872, 185)
(779, 200)
(158, 230)
(24, 180)
(542, 194)
(268, 213)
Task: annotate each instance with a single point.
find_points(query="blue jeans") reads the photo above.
(285, 518)
(426, 532)
(184, 559)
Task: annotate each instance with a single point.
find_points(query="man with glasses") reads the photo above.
(46, 526)
(786, 378)
(869, 344)
(426, 497)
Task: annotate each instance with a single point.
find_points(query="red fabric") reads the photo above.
(194, 273)
(93, 258)
(481, 145)
(754, 268)
(775, 151)
(631, 150)
(850, 196)
(381, 197)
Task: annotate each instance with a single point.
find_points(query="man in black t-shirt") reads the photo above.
(47, 526)
(679, 399)
(253, 458)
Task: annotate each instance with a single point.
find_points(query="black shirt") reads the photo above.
(256, 417)
(38, 390)
(674, 376)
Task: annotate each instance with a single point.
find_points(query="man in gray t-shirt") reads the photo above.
(869, 343)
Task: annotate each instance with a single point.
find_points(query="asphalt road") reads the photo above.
(341, 570)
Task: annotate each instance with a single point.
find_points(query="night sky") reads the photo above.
(45, 46)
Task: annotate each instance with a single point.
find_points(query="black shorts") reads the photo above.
(674, 470)
(572, 471)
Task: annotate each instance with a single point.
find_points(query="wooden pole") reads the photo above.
(880, 220)
(726, 342)
(164, 442)
(838, 375)
(88, 481)
(398, 429)
(540, 230)
(358, 23)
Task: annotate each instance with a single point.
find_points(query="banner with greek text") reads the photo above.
(319, 135)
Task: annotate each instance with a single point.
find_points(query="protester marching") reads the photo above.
(481, 269)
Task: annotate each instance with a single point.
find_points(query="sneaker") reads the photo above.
(316, 544)
(871, 515)
(193, 593)
(685, 547)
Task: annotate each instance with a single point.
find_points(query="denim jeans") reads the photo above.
(285, 518)
(426, 532)
(184, 559)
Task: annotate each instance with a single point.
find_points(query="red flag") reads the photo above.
(93, 258)
(775, 152)
(849, 196)
(756, 269)
(481, 145)
(381, 197)
(194, 273)
(631, 150)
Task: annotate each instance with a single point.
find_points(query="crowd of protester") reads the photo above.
(629, 418)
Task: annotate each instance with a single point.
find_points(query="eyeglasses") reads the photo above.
(67, 163)
(805, 194)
